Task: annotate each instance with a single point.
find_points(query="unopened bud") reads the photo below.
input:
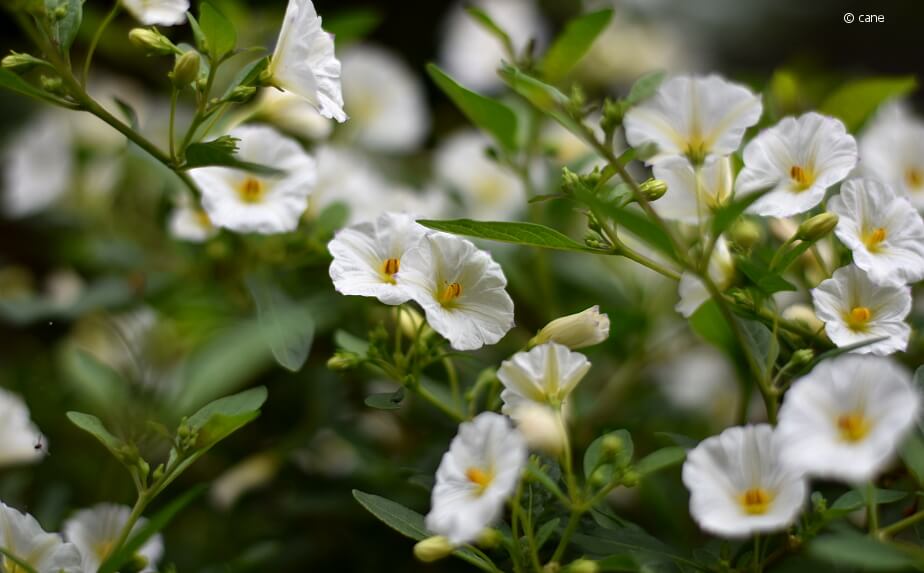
(802, 357)
(805, 315)
(745, 233)
(631, 478)
(186, 69)
(342, 360)
(612, 446)
(570, 180)
(136, 564)
(600, 476)
(540, 427)
(21, 62)
(583, 566)
(613, 112)
(411, 322)
(152, 41)
(653, 189)
(490, 538)
(817, 227)
(241, 94)
(579, 330)
(52, 84)
(551, 567)
(432, 549)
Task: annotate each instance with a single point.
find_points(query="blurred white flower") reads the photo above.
(855, 309)
(693, 191)
(304, 62)
(739, 485)
(884, 231)
(63, 287)
(160, 12)
(586, 328)
(846, 418)
(798, 159)
(692, 290)
(475, 478)
(38, 165)
(368, 257)
(385, 99)
(18, 435)
(460, 288)
(23, 537)
(700, 379)
(693, 116)
(247, 202)
(892, 148)
(96, 530)
(251, 473)
(292, 114)
(471, 54)
(488, 190)
(545, 375)
(805, 315)
(541, 427)
(190, 222)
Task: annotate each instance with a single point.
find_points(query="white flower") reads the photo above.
(541, 427)
(249, 474)
(475, 478)
(304, 62)
(884, 232)
(385, 99)
(189, 222)
(585, 328)
(739, 485)
(22, 536)
(18, 435)
(461, 290)
(292, 114)
(855, 309)
(699, 379)
(692, 290)
(488, 190)
(369, 256)
(96, 530)
(37, 165)
(845, 419)
(892, 148)
(253, 203)
(694, 116)
(159, 12)
(693, 192)
(547, 374)
(798, 159)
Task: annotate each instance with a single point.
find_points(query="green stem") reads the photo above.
(140, 504)
(453, 382)
(872, 513)
(901, 525)
(573, 522)
(172, 136)
(756, 559)
(429, 397)
(96, 37)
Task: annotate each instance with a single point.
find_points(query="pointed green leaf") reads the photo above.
(218, 30)
(386, 400)
(645, 87)
(13, 82)
(529, 234)
(93, 426)
(855, 550)
(855, 101)
(221, 152)
(488, 23)
(661, 459)
(219, 419)
(64, 18)
(574, 41)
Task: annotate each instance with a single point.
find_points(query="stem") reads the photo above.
(755, 559)
(429, 397)
(573, 522)
(453, 381)
(137, 510)
(872, 514)
(620, 248)
(173, 97)
(901, 525)
(96, 37)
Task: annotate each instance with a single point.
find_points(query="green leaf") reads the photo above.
(709, 323)
(855, 550)
(218, 30)
(759, 341)
(221, 151)
(647, 550)
(13, 82)
(768, 281)
(912, 453)
(542, 96)
(96, 382)
(488, 23)
(351, 343)
(727, 214)
(386, 400)
(488, 114)
(854, 500)
(93, 426)
(248, 75)
(661, 459)
(529, 234)
(202, 43)
(287, 328)
(352, 24)
(855, 101)
(219, 419)
(18, 563)
(618, 563)
(840, 350)
(64, 17)
(574, 41)
(645, 87)
(545, 532)
(595, 457)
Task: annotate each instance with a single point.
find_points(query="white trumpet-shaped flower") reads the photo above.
(96, 530)
(846, 418)
(23, 537)
(739, 485)
(547, 374)
(693, 191)
(248, 202)
(883, 230)
(460, 288)
(693, 116)
(797, 159)
(586, 328)
(304, 62)
(855, 309)
(693, 291)
(38, 165)
(475, 478)
(18, 435)
(369, 256)
(892, 148)
(190, 222)
(158, 12)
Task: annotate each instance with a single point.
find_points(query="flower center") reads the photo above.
(755, 501)
(479, 477)
(853, 427)
(389, 268)
(696, 150)
(873, 239)
(914, 178)
(802, 177)
(251, 190)
(450, 292)
(203, 219)
(858, 318)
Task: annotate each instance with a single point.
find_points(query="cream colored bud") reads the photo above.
(20, 62)
(745, 233)
(249, 474)
(490, 538)
(805, 315)
(540, 427)
(411, 321)
(152, 41)
(817, 227)
(575, 331)
(432, 549)
(583, 566)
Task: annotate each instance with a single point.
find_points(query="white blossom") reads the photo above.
(190, 222)
(693, 191)
(545, 375)
(23, 537)
(892, 148)
(96, 530)
(38, 165)
(159, 12)
(19, 436)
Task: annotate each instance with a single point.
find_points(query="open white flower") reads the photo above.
(460, 288)
(488, 190)
(159, 12)
(22, 536)
(18, 435)
(692, 290)
(892, 148)
(385, 99)
(475, 478)
(255, 203)
(37, 165)
(693, 191)
(304, 62)
(884, 231)
(693, 116)
(586, 328)
(798, 159)
(739, 485)
(544, 375)
(96, 530)
(855, 309)
(846, 418)
(368, 257)
(190, 222)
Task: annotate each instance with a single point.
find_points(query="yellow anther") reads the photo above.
(450, 292)
(874, 238)
(479, 477)
(801, 176)
(251, 190)
(853, 427)
(389, 268)
(914, 178)
(858, 317)
(755, 501)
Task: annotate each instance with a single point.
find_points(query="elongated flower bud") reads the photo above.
(186, 69)
(20, 62)
(432, 549)
(152, 41)
(585, 328)
(817, 227)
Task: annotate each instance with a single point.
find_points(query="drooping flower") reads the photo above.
(693, 191)
(190, 222)
(693, 116)
(461, 290)
(37, 165)
(883, 230)
(693, 292)
(475, 478)
(18, 435)
(545, 375)
(892, 148)
(846, 418)
(855, 309)
(586, 328)
(96, 530)
(158, 12)
(249, 202)
(739, 485)
(797, 159)
(304, 62)
(368, 257)
(23, 537)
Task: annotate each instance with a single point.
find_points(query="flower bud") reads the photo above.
(20, 62)
(583, 566)
(136, 564)
(631, 478)
(432, 549)
(653, 189)
(817, 227)
(551, 567)
(802, 357)
(342, 360)
(186, 69)
(579, 330)
(805, 315)
(490, 538)
(52, 85)
(411, 322)
(540, 427)
(745, 233)
(152, 41)
(612, 446)
(241, 94)
(569, 180)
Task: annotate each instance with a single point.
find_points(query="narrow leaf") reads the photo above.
(645, 87)
(218, 30)
(661, 459)
(93, 426)
(855, 550)
(574, 41)
(530, 234)
(855, 101)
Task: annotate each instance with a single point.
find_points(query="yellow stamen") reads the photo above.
(873, 239)
(755, 501)
(858, 317)
(696, 150)
(450, 292)
(802, 177)
(389, 268)
(203, 219)
(853, 427)
(479, 477)
(914, 178)
(251, 190)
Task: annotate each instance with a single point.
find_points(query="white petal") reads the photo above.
(159, 12)
(18, 435)
(546, 374)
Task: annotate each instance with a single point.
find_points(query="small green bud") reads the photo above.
(242, 94)
(612, 446)
(343, 360)
(128, 455)
(631, 478)
(819, 503)
(186, 69)
(569, 181)
(432, 549)
(583, 566)
(613, 113)
(136, 564)
(153, 41)
(158, 472)
(653, 189)
(552, 567)
(817, 227)
(745, 233)
(21, 62)
(802, 357)
(52, 85)
(600, 477)
(144, 468)
(490, 538)
(594, 242)
(577, 101)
